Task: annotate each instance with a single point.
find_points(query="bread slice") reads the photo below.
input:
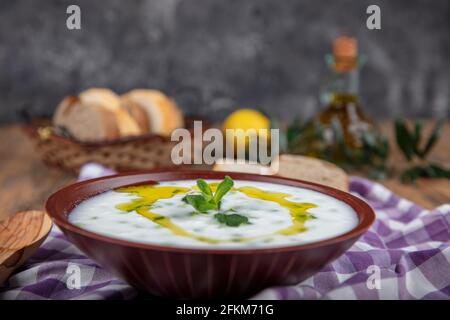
(101, 97)
(243, 167)
(313, 170)
(137, 113)
(295, 167)
(84, 123)
(153, 111)
(110, 101)
(63, 110)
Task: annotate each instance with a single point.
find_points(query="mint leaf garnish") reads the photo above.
(205, 189)
(222, 189)
(231, 220)
(206, 200)
(198, 202)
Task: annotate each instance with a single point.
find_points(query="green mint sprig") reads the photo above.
(208, 200)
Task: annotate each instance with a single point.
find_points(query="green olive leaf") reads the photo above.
(404, 139)
(434, 136)
(410, 175)
(416, 137)
(440, 172)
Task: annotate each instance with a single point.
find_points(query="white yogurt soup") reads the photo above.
(249, 215)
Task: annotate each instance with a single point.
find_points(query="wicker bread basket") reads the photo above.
(149, 151)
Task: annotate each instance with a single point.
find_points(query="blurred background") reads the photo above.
(214, 56)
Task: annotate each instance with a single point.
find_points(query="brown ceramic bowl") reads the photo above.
(198, 272)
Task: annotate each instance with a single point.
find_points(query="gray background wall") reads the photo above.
(216, 55)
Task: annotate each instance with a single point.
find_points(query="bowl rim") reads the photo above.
(365, 213)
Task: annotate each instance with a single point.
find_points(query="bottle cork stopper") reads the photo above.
(345, 51)
(345, 47)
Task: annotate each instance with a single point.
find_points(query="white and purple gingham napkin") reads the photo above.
(405, 255)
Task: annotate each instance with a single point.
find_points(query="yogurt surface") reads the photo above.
(300, 216)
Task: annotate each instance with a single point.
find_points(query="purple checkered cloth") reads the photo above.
(405, 255)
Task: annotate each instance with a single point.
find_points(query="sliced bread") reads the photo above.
(295, 167)
(312, 169)
(153, 111)
(92, 123)
(110, 101)
(95, 115)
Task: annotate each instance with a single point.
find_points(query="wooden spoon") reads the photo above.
(20, 236)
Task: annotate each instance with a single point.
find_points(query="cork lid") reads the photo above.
(345, 51)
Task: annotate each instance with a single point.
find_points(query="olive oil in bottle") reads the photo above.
(340, 94)
(342, 132)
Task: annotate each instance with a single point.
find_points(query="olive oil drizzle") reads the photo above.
(298, 210)
(149, 194)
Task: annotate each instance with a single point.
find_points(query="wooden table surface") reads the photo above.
(25, 182)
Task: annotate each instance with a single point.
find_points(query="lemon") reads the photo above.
(244, 122)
